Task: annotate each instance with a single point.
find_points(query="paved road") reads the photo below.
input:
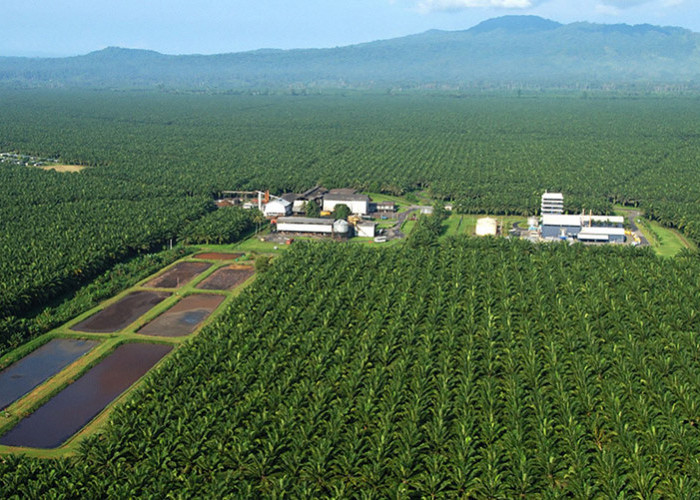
(395, 231)
(631, 216)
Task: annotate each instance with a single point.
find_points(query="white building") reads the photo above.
(560, 226)
(588, 220)
(602, 234)
(312, 225)
(552, 203)
(584, 227)
(486, 226)
(366, 229)
(357, 203)
(277, 208)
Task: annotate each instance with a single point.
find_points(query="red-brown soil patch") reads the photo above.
(218, 256)
(122, 313)
(227, 278)
(178, 275)
(184, 317)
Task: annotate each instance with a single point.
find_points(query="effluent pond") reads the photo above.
(38, 366)
(75, 406)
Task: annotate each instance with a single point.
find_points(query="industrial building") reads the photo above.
(312, 225)
(357, 203)
(597, 234)
(366, 229)
(597, 228)
(560, 226)
(587, 228)
(552, 203)
(386, 206)
(277, 208)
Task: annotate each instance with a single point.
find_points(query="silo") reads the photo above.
(486, 226)
(341, 227)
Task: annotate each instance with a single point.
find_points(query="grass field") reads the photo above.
(63, 168)
(401, 202)
(407, 226)
(665, 241)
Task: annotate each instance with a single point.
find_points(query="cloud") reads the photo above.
(626, 4)
(447, 5)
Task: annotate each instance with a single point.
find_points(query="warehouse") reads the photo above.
(386, 206)
(313, 226)
(584, 228)
(366, 229)
(357, 203)
(598, 220)
(277, 208)
(560, 226)
(597, 234)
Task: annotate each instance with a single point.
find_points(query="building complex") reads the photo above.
(585, 228)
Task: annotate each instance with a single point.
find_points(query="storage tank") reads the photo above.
(533, 223)
(486, 226)
(341, 227)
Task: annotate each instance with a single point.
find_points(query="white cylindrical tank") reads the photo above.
(533, 222)
(341, 227)
(486, 226)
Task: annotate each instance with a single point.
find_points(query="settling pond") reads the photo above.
(38, 366)
(184, 317)
(122, 313)
(178, 275)
(227, 278)
(76, 405)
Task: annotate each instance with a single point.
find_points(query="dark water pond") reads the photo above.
(46, 361)
(122, 313)
(76, 405)
(227, 278)
(184, 317)
(179, 275)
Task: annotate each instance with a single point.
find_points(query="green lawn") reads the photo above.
(665, 241)
(401, 202)
(407, 226)
(458, 224)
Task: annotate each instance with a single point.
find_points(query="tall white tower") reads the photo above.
(552, 203)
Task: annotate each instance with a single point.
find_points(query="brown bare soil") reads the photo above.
(122, 313)
(184, 317)
(179, 275)
(63, 168)
(227, 278)
(218, 256)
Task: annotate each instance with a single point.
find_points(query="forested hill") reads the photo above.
(505, 50)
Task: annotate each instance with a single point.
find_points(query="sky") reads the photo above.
(52, 28)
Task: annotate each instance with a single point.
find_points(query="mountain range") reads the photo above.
(526, 50)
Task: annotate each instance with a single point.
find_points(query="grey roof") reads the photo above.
(346, 197)
(290, 197)
(305, 220)
(314, 192)
(343, 191)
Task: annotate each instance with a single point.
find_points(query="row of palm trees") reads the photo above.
(477, 368)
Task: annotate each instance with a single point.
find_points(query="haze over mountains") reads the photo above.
(525, 50)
